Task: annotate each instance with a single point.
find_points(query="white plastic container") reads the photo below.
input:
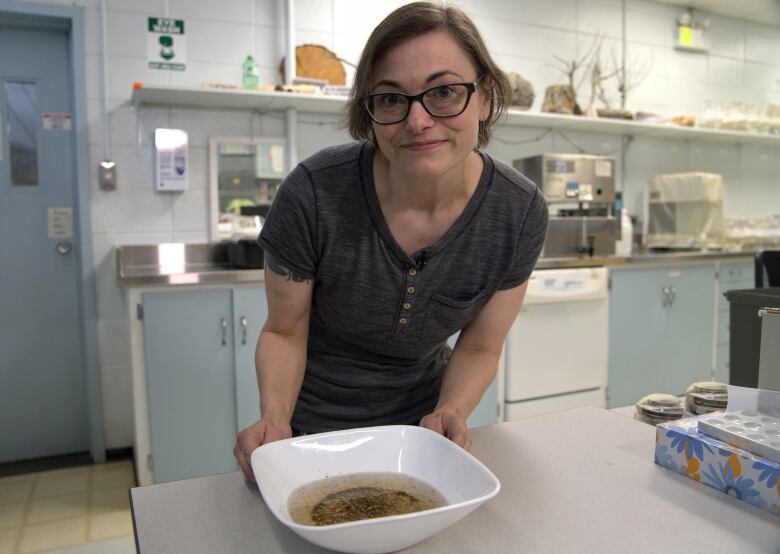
(624, 246)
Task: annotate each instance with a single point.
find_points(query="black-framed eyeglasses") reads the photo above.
(449, 100)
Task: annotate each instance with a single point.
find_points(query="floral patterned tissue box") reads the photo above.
(680, 447)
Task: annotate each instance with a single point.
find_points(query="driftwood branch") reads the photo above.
(631, 77)
(599, 74)
(584, 62)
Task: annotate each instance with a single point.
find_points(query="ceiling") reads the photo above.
(760, 11)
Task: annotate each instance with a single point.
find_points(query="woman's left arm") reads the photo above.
(473, 365)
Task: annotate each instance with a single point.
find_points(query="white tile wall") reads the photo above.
(762, 43)
(523, 35)
(314, 15)
(764, 77)
(724, 71)
(218, 41)
(603, 18)
(130, 209)
(727, 36)
(512, 143)
(651, 23)
(116, 385)
(560, 14)
(235, 11)
(190, 211)
(124, 38)
(149, 7)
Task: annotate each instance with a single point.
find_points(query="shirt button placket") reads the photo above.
(411, 288)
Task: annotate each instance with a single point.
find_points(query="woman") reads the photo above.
(378, 251)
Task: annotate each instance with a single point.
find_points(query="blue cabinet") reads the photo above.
(661, 330)
(250, 311)
(199, 351)
(199, 354)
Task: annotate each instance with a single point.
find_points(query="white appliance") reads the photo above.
(684, 210)
(556, 350)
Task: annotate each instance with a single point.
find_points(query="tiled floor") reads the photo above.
(49, 510)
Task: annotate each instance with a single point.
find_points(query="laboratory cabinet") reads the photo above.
(198, 352)
(661, 336)
(198, 383)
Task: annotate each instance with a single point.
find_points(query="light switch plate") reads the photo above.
(107, 175)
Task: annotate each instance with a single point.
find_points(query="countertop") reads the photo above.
(576, 481)
(194, 264)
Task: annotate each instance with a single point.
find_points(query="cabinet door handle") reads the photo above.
(223, 322)
(673, 295)
(666, 291)
(243, 329)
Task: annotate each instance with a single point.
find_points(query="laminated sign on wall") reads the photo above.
(166, 46)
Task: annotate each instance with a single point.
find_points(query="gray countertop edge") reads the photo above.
(229, 276)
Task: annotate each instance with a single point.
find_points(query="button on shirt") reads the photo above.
(380, 318)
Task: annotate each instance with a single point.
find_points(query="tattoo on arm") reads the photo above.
(290, 274)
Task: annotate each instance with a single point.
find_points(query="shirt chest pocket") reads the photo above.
(446, 316)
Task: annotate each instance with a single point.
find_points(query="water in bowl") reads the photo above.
(361, 496)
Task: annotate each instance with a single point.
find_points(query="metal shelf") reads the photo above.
(237, 99)
(279, 101)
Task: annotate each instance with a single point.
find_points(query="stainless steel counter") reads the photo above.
(644, 258)
(179, 264)
(194, 264)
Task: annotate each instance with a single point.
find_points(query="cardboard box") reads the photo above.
(680, 447)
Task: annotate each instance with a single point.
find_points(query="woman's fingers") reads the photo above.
(456, 430)
(246, 442)
(433, 422)
(449, 425)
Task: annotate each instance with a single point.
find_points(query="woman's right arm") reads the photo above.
(280, 358)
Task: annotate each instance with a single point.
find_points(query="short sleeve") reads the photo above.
(289, 233)
(529, 247)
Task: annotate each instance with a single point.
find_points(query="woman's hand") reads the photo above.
(449, 424)
(264, 431)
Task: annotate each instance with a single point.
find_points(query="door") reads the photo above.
(250, 310)
(689, 335)
(188, 345)
(637, 326)
(43, 396)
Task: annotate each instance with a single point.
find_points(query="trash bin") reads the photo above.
(745, 332)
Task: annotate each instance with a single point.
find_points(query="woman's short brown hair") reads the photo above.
(408, 22)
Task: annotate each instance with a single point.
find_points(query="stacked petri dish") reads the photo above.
(657, 408)
(705, 397)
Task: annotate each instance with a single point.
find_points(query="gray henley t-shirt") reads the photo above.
(380, 318)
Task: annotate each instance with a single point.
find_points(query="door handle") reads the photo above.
(223, 322)
(64, 247)
(673, 295)
(243, 329)
(666, 291)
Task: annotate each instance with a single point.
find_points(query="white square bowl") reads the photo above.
(283, 466)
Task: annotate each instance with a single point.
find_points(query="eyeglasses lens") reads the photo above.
(443, 101)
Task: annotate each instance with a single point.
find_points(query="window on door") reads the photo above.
(22, 129)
